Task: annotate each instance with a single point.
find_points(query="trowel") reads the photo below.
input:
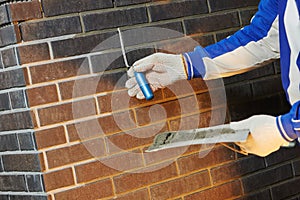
(210, 135)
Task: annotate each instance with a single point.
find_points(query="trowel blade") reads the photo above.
(211, 135)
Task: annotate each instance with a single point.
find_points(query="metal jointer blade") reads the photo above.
(210, 135)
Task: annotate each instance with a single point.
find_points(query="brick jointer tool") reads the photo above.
(210, 135)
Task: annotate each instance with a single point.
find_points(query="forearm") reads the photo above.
(246, 49)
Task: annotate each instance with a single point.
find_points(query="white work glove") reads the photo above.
(264, 137)
(160, 69)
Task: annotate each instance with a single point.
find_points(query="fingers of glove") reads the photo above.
(130, 83)
(134, 91)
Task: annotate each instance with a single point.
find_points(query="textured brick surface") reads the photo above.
(22, 162)
(225, 191)
(129, 2)
(137, 180)
(10, 79)
(50, 137)
(58, 7)
(58, 179)
(98, 21)
(4, 102)
(212, 23)
(183, 185)
(33, 53)
(236, 169)
(25, 10)
(82, 45)
(34, 183)
(224, 5)
(266, 178)
(66, 112)
(7, 35)
(59, 70)
(12, 183)
(287, 189)
(4, 17)
(9, 57)
(18, 99)
(195, 162)
(9, 142)
(74, 153)
(50, 28)
(96, 190)
(15, 121)
(42, 95)
(177, 9)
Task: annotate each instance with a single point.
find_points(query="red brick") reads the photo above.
(33, 53)
(75, 153)
(139, 194)
(110, 165)
(137, 179)
(134, 138)
(211, 157)
(158, 112)
(42, 95)
(50, 137)
(59, 70)
(66, 112)
(96, 190)
(225, 191)
(92, 171)
(58, 179)
(84, 130)
(121, 100)
(117, 122)
(187, 184)
(93, 85)
(22, 11)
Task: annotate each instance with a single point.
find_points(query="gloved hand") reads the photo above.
(160, 69)
(264, 137)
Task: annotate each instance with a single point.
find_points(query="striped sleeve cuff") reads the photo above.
(289, 124)
(194, 62)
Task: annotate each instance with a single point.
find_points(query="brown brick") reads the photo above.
(42, 95)
(96, 190)
(134, 138)
(33, 53)
(236, 169)
(50, 137)
(23, 11)
(143, 178)
(225, 191)
(76, 153)
(121, 100)
(92, 171)
(180, 186)
(93, 85)
(151, 114)
(59, 70)
(211, 157)
(109, 165)
(58, 179)
(84, 130)
(66, 112)
(117, 122)
(139, 194)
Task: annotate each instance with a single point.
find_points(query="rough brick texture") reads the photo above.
(91, 136)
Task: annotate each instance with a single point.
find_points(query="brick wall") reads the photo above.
(20, 170)
(63, 59)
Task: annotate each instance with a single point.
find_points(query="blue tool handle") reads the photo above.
(144, 85)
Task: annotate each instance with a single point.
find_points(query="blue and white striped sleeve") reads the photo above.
(246, 49)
